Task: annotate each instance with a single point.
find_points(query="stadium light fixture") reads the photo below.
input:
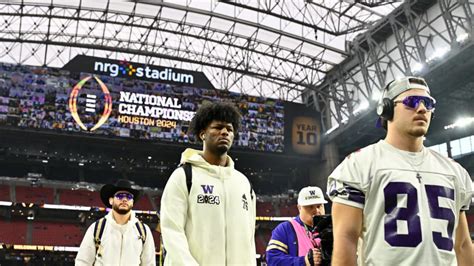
(375, 95)
(65, 207)
(44, 161)
(461, 122)
(31, 215)
(362, 106)
(417, 68)
(438, 53)
(464, 121)
(6, 203)
(81, 164)
(331, 129)
(461, 38)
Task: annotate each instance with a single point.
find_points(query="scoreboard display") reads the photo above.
(121, 104)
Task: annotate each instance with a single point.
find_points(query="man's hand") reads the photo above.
(314, 256)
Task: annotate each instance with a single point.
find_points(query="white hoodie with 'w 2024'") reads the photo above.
(214, 223)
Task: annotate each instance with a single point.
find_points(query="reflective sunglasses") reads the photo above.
(121, 196)
(415, 100)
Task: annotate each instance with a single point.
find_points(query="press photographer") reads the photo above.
(299, 242)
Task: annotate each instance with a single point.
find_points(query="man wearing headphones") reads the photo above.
(406, 202)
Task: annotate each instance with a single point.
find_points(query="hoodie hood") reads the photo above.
(195, 158)
(124, 227)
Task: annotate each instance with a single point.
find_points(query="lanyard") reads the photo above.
(311, 235)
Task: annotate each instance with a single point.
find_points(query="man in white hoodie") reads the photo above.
(210, 219)
(118, 238)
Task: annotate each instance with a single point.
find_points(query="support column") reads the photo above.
(319, 173)
(13, 193)
(29, 232)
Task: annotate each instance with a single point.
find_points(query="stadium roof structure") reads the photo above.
(335, 56)
(276, 49)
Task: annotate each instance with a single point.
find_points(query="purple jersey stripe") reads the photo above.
(354, 194)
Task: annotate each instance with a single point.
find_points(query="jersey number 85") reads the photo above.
(410, 214)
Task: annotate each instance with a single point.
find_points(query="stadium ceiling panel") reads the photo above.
(277, 49)
(428, 38)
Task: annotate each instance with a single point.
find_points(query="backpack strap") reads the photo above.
(141, 230)
(162, 252)
(98, 232)
(251, 190)
(188, 171)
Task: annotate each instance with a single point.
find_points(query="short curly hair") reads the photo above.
(218, 111)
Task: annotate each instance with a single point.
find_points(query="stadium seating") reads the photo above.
(262, 236)
(71, 234)
(143, 204)
(56, 234)
(288, 210)
(80, 197)
(5, 192)
(38, 195)
(157, 200)
(265, 209)
(13, 232)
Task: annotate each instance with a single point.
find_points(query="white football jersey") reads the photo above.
(411, 203)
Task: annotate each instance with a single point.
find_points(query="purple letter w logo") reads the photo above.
(207, 189)
(312, 192)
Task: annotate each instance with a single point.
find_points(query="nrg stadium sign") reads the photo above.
(125, 69)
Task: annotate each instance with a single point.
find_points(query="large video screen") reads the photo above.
(62, 101)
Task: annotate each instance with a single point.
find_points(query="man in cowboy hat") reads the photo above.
(119, 238)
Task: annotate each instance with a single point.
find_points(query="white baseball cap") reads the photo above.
(311, 196)
(397, 87)
(400, 85)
